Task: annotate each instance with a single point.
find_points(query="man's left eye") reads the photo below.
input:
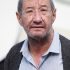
(44, 10)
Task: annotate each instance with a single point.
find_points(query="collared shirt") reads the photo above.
(50, 60)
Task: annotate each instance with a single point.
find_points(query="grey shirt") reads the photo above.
(50, 60)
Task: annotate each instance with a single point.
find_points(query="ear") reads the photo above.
(54, 15)
(19, 17)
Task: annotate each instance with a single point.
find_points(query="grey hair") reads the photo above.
(52, 5)
(19, 7)
(20, 2)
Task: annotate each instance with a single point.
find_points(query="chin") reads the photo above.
(38, 37)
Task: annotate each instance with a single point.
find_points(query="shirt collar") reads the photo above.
(24, 49)
(55, 45)
(25, 52)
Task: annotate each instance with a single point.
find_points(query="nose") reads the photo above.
(37, 17)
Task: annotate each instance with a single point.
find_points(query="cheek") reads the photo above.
(26, 21)
(47, 20)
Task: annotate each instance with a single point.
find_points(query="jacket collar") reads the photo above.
(65, 47)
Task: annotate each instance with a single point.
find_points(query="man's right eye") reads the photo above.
(29, 11)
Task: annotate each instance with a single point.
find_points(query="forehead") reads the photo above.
(35, 3)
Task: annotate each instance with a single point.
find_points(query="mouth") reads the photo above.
(37, 26)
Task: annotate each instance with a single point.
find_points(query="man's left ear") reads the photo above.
(54, 15)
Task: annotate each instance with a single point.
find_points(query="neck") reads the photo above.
(39, 47)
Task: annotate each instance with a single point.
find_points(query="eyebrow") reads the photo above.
(44, 6)
(29, 8)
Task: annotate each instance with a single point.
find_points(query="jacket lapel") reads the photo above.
(16, 62)
(16, 58)
(65, 44)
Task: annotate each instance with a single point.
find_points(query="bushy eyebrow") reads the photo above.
(44, 6)
(29, 8)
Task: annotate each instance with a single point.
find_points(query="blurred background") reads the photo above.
(11, 32)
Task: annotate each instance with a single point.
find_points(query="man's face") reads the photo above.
(37, 17)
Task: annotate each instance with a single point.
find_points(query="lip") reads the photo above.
(37, 26)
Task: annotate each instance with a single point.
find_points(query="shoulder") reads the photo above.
(2, 64)
(65, 44)
(64, 40)
(13, 56)
(16, 48)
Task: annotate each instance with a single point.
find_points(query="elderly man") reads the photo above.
(44, 49)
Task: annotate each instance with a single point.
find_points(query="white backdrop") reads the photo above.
(8, 26)
(10, 31)
(62, 22)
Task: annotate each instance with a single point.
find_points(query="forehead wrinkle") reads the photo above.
(45, 2)
(28, 3)
(35, 3)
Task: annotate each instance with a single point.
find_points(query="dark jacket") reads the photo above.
(2, 64)
(14, 57)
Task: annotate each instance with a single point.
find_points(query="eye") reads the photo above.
(44, 10)
(29, 11)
